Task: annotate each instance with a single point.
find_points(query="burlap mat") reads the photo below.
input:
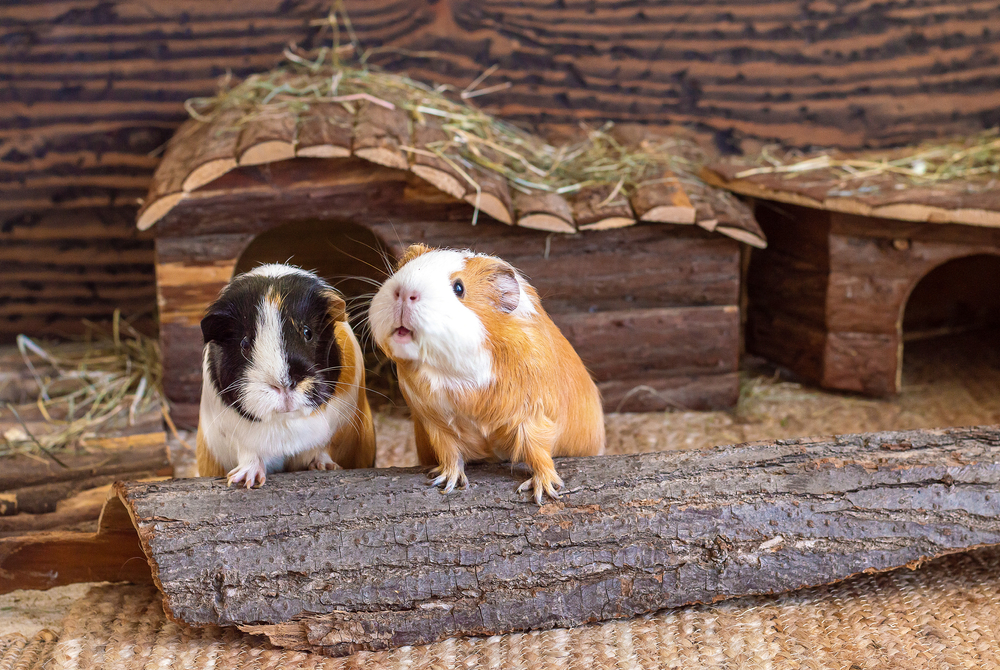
(944, 615)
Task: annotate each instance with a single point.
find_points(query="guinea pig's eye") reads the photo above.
(307, 334)
(245, 344)
(459, 288)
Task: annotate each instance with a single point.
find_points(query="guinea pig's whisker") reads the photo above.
(381, 252)
(358, 258)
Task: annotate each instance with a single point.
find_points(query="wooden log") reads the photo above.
(268, 137)
(198, 154)
(720, 211)
(968, 201)
(662, 200)
(616, 270)
(35, 486)
(543, 211)
(493, 196)
(673, 341)
(379, 133)
(662, 390)
(431, 168)
(75, 510)
(593, 210)
(55, 558)
(325, 131)
(218, 154)
(373, 559)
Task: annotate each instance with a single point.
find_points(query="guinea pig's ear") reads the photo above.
(336, 307)
(508, 290)
(216, 327)
(412, 252)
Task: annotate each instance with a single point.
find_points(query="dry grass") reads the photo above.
(976, 156)
(85, 389)
(475, 138)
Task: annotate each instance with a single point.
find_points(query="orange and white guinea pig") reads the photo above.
(284, 380)
(486, 373)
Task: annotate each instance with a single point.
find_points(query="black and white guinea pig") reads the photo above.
(284, 380)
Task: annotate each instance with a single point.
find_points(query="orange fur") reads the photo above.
(353, 445)
(541, 403)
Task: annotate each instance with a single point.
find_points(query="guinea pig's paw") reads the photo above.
(251, 474)
(448, 476)
(542, 483)
(322, 461)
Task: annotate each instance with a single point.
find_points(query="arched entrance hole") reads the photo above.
(353, 260)
(951, 325)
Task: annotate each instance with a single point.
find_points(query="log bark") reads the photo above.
(267, 138)
(493, 196)
(433, 168)
(33, 486)
(593, 210)
(663, 200)
(372, 559)
(379, 133)
(325, 131)
(543, 211)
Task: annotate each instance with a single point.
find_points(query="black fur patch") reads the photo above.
(234, 315)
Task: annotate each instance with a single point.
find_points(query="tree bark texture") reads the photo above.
(374, 559)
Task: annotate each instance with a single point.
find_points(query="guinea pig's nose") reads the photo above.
(408, 295)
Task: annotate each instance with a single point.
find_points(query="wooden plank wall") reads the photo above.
(90, 90)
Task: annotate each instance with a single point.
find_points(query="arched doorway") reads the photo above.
(352, 259)
(951, 327)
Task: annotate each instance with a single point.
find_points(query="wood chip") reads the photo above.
(544, 211)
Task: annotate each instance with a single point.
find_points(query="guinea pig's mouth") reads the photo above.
(402, 334)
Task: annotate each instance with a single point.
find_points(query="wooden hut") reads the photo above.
(652, 309)
(861, 260)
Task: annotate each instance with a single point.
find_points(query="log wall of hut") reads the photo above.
(828, 295)
(92, 90)
(651, 309)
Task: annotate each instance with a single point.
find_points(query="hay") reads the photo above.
(972, 157)
(475, 138)
(94, 386)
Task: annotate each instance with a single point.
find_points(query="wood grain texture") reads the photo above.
(970, 201)
(672, 341)
(55, 558)
(59, 267)
(92, 89)
(373, 559)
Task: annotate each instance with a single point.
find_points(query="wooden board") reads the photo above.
(268, 138)
(62, 266)
(379, 135)
(383, 560)
(673, 341)
(663, 201)
(433, 168)
(601, 208)
(96, 91)
(325, 130)
(970, 202)
(543, 211)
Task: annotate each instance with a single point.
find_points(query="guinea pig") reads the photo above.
(283, 380)
(486, 373)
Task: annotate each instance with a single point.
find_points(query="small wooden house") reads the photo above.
(653, 309)
(857, 263)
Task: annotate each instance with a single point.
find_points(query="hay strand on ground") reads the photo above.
(100, 384)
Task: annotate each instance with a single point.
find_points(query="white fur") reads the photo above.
(236, 442)
(448, 340)
(274, 270)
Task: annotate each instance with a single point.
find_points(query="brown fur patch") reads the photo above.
(413, 251)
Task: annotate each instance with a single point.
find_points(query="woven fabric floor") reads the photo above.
(944, 615)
